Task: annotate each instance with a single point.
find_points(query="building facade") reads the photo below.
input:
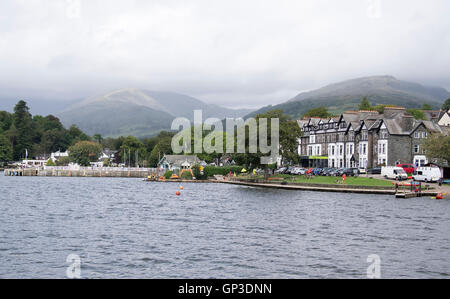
(365, 139)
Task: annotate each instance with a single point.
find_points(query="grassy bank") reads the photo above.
(351, 181)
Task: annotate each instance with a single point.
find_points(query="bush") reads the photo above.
(210, 171)
(63, 161)
(186, 175)
(168, 174)
(198, 173)
(50, 163)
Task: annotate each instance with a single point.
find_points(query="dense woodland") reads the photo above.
(22, 134)
(36, 136)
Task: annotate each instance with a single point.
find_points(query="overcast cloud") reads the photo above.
(243, 53)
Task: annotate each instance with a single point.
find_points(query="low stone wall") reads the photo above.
(95, 173)
(80, 173)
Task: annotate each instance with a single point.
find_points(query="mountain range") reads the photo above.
(138, 112)
(347, 95)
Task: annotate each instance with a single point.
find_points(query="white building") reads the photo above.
(445, 119)
(57, 155)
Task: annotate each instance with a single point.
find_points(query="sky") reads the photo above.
(235, 53)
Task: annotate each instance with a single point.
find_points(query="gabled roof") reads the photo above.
(181, 159)
(430, 126)
(394, 127)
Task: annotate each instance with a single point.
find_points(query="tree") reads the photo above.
(321, 112)
(76, 135)
(365, 104)
(289, 134)
(438, 147)
(164, 147)
(50, 162)
(446, 105)
(6, 150)
(85, 152)
(427, 107)
(5, 120)
(62, 161)
(417, 113)
(23, 133)
(98, 138)
(132, 151)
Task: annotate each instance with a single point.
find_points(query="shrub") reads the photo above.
(63, 161)
(186, 175)
(50, 162)
(168, 174)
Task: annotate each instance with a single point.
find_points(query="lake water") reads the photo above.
(127, 228)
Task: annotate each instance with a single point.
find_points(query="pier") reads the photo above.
(84, 172)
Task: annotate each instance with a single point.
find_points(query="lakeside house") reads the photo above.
(58, 155)
(444, 121)
(366, 139)
(178, 162)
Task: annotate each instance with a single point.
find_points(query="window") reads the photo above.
(312, 139)
(364, 136)
(364, 149)
(416, 149)
(416, 134)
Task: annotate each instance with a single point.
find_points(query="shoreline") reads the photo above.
(287, 186)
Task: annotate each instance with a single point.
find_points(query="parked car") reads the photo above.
(325, 171)
(363, 170)
(338, 172)
(281, 170)
(350, 171)
(317, 171)
(395, 173)
(298, 171)
(427, 174)
(408, 168)
(376, 170)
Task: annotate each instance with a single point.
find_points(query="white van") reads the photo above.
(394, 173)
(427, 174)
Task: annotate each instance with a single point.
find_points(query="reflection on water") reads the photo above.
(133, 229)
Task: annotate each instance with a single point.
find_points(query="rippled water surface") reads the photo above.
(132, 229)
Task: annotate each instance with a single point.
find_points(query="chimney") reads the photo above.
(407, 122)
(390, 112)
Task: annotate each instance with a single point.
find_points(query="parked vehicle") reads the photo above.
(427, 174)
(408, 168)
(362, 170)
(281, 170)
(394, 173)
(339, 172)
(317, 171)
(326, 171)
(350, 172)
(376, 170)
(298, 171)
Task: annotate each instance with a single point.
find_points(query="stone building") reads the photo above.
(365, 139)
